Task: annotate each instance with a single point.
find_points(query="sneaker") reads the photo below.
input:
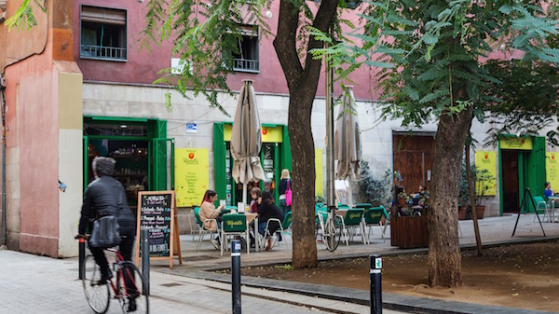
(269, 244)
(215, 244)
(105, 278)
(131, 305)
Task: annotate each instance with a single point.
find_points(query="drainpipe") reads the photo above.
(3, 112)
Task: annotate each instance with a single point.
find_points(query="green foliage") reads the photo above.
(24, 17)
(375, 190)
(205, 36)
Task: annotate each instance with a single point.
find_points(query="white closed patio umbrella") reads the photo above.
(246, 140)
(347, 138)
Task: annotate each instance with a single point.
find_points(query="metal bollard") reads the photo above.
(145, 257)
(81, 248)
(236, 275)
(375, 267)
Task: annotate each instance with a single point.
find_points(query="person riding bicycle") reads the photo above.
(106, 196)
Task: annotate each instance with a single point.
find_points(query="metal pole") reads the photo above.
(375, 267)
(3, 109)
(330, 180)
(236, 275)
(145, 256)
(81, 249)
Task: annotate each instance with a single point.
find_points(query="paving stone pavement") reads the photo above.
(35, 284)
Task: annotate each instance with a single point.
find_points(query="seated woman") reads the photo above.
(548, 192)
(266, 210)
(208, 211)
(256, 194)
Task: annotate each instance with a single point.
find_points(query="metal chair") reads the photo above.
(234, 224)
(283, 225)
(353, 219)
(541, 204)
(203, 230)
(373, 217)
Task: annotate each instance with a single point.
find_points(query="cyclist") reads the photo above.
(106, 196)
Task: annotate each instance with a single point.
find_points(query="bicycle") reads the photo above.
(128, 283)
(331, 229)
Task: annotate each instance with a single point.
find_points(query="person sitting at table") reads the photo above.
(255, 193)
(208, 211)
(548, 192)
(266, 210)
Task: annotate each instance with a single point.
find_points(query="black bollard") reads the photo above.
(375, 267)
(81, 248)
(236, 275)
(145, 257)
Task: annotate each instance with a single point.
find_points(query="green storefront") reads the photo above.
(522, 165)
(275, 156)
(144, 154)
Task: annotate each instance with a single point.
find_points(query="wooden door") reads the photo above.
(510, 181)
(413, 159)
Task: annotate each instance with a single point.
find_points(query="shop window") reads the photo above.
(103, 34)
(246, 56)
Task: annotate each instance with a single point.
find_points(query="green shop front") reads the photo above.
(143, 153)
(522, 165)
(275, 156)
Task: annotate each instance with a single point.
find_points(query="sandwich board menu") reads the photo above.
(158, 214)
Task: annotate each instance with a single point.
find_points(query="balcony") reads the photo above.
(103, 53)
(245, 65)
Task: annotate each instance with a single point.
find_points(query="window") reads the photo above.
(103, 34)
(246, 59)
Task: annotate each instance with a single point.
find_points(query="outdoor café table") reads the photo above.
(553, 202)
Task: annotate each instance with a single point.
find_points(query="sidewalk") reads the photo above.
(36, 284)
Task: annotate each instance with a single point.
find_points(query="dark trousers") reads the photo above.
(128, 232)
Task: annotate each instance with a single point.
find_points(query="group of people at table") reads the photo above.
(262, 205)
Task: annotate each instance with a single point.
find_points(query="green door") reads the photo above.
(162, 164)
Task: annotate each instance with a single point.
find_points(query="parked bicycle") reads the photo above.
(127, 286)
(331, 228)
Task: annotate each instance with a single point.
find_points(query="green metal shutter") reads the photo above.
(219, 160)
(536, 175)
(286, 160)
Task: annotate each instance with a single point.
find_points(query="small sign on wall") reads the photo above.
(191, 128)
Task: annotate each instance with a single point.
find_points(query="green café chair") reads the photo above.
(542, 205)
(365, 206)
(386, 220)
(202, 229)
(283, 225)
(373, 217)
(353, 219)
(236, 225)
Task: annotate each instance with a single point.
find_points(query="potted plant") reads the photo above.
(481, 178)
(374, 189)
(403, 198)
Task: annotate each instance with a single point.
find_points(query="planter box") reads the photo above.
(409, 232)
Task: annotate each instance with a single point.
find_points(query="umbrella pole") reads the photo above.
(330, 180)
(244, 195)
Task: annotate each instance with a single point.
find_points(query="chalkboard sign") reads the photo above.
(157, 213)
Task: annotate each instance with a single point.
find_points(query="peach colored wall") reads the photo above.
(29, 42)
(37, 139)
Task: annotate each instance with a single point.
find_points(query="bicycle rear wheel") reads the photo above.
(332, 233)
(136, 289)
(97, 295)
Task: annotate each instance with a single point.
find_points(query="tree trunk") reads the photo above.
(302, 82)
(445, 266)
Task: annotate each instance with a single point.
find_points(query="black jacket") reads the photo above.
(102, 198)
(282, 187)
(267, 211)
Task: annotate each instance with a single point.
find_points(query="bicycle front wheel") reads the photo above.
(96, 293)
(135, 298)
(332, 233)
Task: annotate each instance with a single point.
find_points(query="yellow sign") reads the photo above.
(191, 175)
(522, 143)
(487, 160)
(318, 185)
(269, 134)
(552, 169)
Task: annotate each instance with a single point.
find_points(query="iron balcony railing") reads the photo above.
(246, 65)
(105, 53)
